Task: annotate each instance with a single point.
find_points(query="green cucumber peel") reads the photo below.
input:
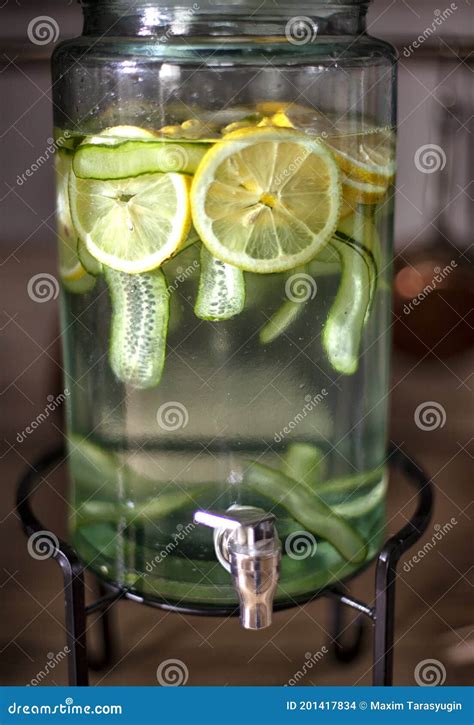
(280, 321)
(304, 462)
(308, 509)
(221, 293)
(343, 329)
(371, 254)
(326, 262)
(350, 484)
(159, 507)
(140, 316)
(362, 505)
(134, 157)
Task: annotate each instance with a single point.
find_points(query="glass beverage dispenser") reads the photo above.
(224, 185)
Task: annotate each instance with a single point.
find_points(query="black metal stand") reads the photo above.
(381, 614)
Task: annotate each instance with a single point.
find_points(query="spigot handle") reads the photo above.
(216, 521)
(234, 518)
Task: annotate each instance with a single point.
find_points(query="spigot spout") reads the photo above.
(247, 545)
(255, 579)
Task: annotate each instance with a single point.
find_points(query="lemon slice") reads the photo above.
(366, 157)
(361, 192)
(266, 200)
(131, 225)
(192, 129)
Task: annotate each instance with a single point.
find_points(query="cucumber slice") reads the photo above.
(160, 507)
(221, 293)
(342, 332)
(129, 158)
(88, 261)
(280, 321)
(304, 463)
(364, 504)
(96, 465)
(334, 488)
(326, 262)
(308, 509)
(140, 313)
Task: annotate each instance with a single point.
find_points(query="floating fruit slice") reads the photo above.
(73, 275)
(132, 157)
(221, 293)
(121, 152)
(308, 509)
(366, 157)
(252, 120)
(197, 129)
(266, 200)
(131, 225)
(304, 463)
(140, 312)
(280, 321)
(355, 241)
(362, 505)
(360, 228)
(360, 192)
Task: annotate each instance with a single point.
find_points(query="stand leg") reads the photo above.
(75, 618)
(105, 637)
(384, 616)
(343, 651)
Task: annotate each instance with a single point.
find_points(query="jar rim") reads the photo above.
(223, 6)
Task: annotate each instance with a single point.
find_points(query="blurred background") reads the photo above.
(431, 368)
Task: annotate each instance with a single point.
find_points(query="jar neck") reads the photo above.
(299, 23)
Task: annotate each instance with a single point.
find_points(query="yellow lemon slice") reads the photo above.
(132, 225)
(267, 199)
(366, 157)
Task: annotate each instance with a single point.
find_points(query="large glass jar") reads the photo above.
(225, 175)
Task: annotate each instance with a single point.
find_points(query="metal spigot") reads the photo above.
(247, 545)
